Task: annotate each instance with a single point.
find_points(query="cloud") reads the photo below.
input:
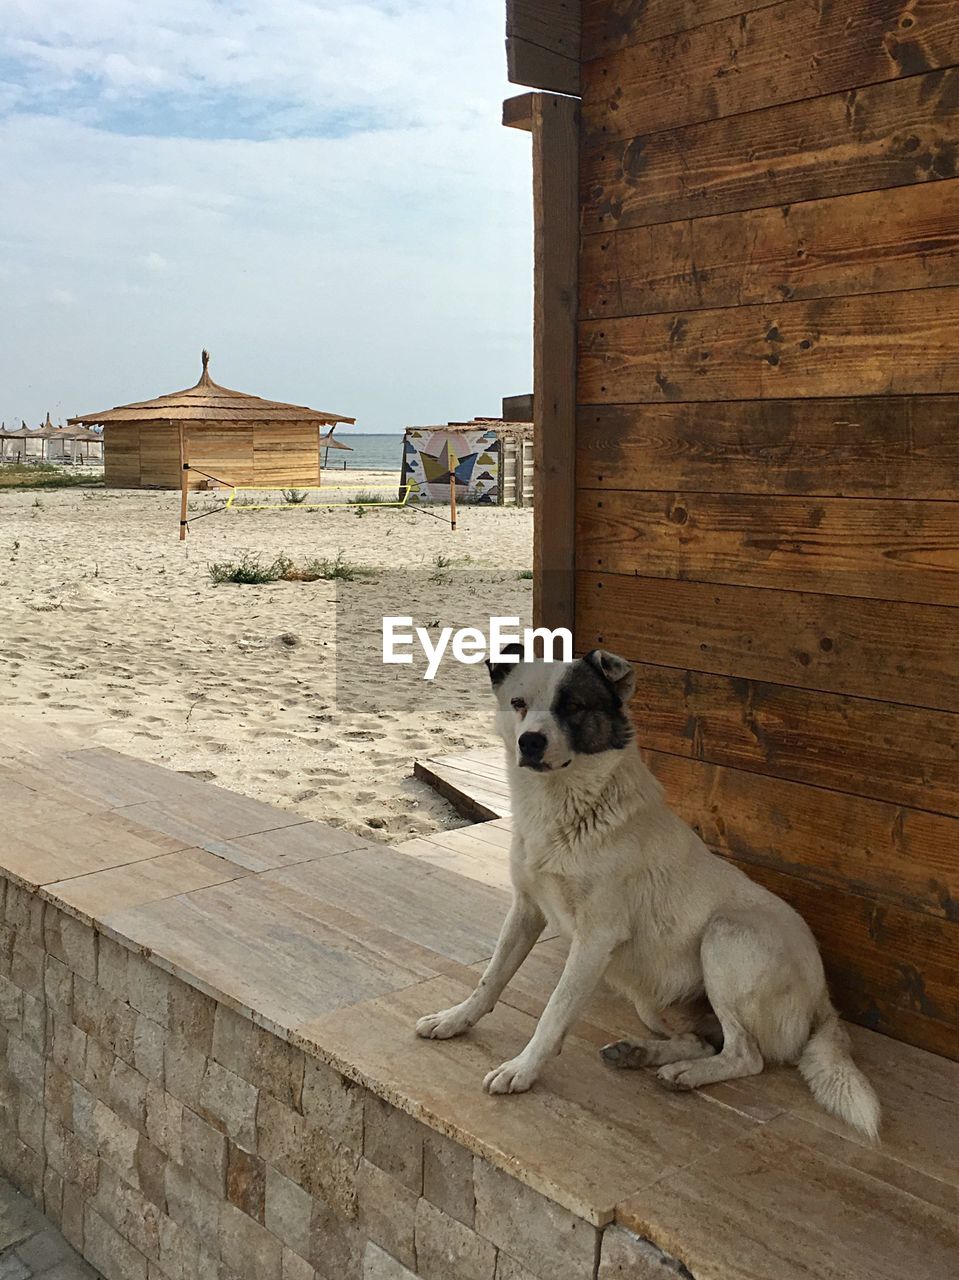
(349, 223)
(62, 297)
(266, 67)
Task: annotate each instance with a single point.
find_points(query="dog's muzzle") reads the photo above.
(532, 748)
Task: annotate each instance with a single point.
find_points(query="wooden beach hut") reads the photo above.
(746, 395)
(237, 438)
(490, 458)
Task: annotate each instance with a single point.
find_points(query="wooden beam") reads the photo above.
(542, 43)
(556, 246)
(518, 112)
(518, 408)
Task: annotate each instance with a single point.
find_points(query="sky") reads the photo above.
(319, 191)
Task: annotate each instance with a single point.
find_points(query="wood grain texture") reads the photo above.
(886, 344)
(160, 456)
(795, 1201)
(121, 456)
(767, 505)
(542, 44)
(878, 447)
(287, 457)
(556, 241)
(608, 25)
(527, 63)
(903, 238)
(518, 112)
(840, 546)
(888, 969)
(791, 51)
(881, 649)
(885, 135)
(883, 851)
(226, 454)
(902, 755)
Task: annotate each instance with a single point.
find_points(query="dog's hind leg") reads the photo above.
(740, 1057)
(734, 962)
(656, 1053)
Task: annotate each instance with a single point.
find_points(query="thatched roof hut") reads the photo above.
(26, 437)
(235, 438)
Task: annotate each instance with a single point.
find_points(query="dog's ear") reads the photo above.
(499, 670)
(616, 671)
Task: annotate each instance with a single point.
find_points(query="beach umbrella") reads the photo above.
(26, 435)
(83, 435)
(46, 432)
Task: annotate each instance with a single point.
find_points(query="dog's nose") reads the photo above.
(532, 746)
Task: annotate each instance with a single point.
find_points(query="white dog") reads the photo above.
(711, 960)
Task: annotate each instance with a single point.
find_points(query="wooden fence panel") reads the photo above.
(767, 453)
(876, 241)
(879, 447)
(884, 135)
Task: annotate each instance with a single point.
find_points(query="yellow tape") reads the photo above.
(408, 488)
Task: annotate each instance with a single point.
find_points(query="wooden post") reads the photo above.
(554, 125)
(184, 483)
(453, 501)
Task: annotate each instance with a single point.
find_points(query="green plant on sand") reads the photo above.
(251, 570)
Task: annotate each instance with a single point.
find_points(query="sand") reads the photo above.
(278, 691)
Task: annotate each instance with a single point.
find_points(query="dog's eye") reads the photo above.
(518, 704)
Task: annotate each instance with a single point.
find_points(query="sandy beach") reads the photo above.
(277, 690)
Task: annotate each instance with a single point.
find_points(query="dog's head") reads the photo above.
(551, 712)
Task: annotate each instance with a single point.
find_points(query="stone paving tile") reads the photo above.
(31, 1248)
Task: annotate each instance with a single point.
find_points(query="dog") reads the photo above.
(725, 975)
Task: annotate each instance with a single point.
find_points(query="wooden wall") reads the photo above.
(767, 453)
(121, 456)
(148, 455)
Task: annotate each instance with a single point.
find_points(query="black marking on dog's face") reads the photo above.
(498, 671)
(590, 704)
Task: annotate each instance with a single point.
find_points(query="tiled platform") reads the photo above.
(336, 946)
(474, 782)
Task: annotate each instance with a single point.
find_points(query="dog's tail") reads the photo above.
(834, 1079)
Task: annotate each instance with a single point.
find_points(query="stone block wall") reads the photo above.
(170, 1138)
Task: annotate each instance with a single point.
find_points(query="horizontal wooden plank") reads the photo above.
(902, 755)
(886, 344)
(614, 24)
(888, 969)
(881, 649)
(841, 546)
(160, 455)
(225, 454)
(553, 25)
(903, 238)
(883, 851)
(542, 44)
(528, 63)
(874, 447)
(518, 112)
(785, 53)
(121, 456)
(886, 135)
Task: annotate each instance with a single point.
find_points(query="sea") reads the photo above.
(369, 452)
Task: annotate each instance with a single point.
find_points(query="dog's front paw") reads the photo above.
(445, 1024)
(515, 1076)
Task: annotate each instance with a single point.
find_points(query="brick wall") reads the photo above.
(172, 1139)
